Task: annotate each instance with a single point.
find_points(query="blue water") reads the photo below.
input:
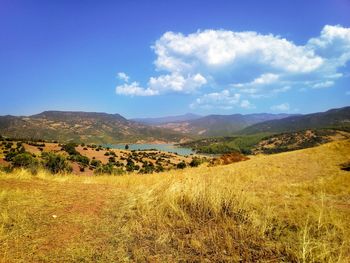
(160, 147)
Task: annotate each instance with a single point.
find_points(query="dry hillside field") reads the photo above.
(287, 207)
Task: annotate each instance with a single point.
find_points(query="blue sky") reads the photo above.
(156, 58)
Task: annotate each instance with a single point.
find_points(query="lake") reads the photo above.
(160, 147)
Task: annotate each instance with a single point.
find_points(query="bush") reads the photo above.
(83, 160)
(56, 163)
(95, 163)
(147, 168)
(8, 145)
(70, 148)
(181, 165)
(111, 159)
(195, 162)
(108, 169)
(9, 155)
(6, 169)
(24, 160)
(345, 166)
(159, 168)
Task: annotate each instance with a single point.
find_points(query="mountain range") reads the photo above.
(220, 125)
(334, 118)
(168, 119)
(89, 127)
(93, 127)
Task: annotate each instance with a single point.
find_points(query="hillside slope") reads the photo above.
(288, 207)
(334, 118)
(89, 127)
(220, 125)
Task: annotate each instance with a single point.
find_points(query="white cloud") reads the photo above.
(333, 44)
(257, 87)
(246, 104)
(281, 90)
(281, 107)
(123, 76)
(163, 84)
(252, 65)
(134, 89)
(210, 49)
(176, 82)
(223, 100)
(325, 84)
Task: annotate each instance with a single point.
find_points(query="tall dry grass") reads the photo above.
(291, 207)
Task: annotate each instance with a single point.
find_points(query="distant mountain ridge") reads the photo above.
(221, 125)
(167, 119)
(97, 127)
(89, 127)
(333, 118)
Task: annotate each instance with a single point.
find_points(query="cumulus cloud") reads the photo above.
(163, 84)
(281, 107)
(123, 76)
(333, 44)
(210, 49)
(134, 89)
(249, 64)
(176, 82)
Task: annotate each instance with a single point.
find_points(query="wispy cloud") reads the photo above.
(281, 107)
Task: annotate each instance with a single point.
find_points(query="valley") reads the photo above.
(175, 131)
(267, 196)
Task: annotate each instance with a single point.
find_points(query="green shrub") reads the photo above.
(83, 160)
(70, 148)
(108, 169)
(8, 145)
(55, 163)
(159, 168)
(95, 163)
(195, 162)
(24, 160)
(6, 169)
(181, 165)
(147, 168)
(111, 159)
(9, 155)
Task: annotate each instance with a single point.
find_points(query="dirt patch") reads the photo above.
(228, 159)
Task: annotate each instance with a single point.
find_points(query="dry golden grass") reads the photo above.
(292, 207)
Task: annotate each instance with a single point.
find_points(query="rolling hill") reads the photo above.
(220, 125)
(287, 207)
(89, 127)
(334, 118)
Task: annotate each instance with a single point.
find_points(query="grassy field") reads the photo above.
(292, 207)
